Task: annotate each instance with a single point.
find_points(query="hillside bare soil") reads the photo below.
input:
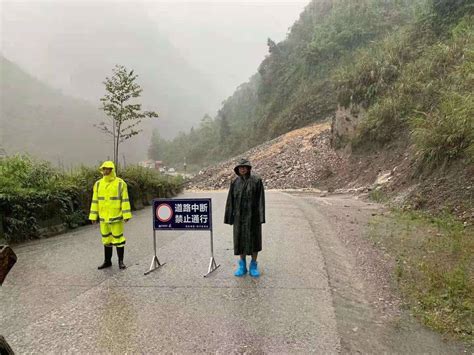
(305, 159)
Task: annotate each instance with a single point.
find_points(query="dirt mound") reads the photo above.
(298, 159)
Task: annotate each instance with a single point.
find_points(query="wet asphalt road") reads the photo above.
(55, 299)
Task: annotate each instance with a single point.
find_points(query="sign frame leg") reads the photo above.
(213, 266)
(155, 263)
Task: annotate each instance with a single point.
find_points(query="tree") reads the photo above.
(119, 104)
(272, 46)
(224, 129)
(155, 151)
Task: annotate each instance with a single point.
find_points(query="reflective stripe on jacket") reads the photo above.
(110, 202)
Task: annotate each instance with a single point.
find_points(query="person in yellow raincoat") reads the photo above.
(111, 206)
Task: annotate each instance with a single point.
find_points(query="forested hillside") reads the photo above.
(34, 115)
(404, 67)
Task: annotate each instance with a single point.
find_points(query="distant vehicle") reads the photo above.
(171, 170)
(162, 170)
(150, 164)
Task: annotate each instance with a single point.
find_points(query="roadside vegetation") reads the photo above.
(416, 85)
(434, 267)
(34, 195)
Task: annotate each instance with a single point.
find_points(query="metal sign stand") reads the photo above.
(168, 216)
(155, 263)
(212, 264)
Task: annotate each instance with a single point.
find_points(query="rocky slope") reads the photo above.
(298, 159)
(305, 159)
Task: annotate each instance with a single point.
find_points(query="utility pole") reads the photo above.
(184, 167)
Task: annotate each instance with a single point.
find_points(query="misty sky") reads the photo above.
(224, 40)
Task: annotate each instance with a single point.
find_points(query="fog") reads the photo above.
(189, 56)
(226, 40)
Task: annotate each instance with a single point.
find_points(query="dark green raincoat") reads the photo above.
(245, 210)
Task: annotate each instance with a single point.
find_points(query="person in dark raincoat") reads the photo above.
(245, 210)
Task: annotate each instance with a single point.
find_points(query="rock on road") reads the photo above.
(55, 300)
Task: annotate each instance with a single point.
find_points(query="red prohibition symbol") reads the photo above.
(164, 212)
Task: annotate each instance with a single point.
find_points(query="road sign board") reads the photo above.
(179, 214)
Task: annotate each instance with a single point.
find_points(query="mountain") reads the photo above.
(294, 85)
(398, 70)
(93, 38)
(42, 121)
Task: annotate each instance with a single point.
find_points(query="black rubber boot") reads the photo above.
(107, 258)
(120, 252)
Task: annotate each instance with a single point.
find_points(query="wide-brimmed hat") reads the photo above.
(242, 162)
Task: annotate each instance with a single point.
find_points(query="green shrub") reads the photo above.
(448, 11)
(23, 173)
(382, 124)
(447, 133)
(33, 192)
(375, 69)
(415, 81)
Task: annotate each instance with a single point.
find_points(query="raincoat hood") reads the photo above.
(242, 162)
(109, 164)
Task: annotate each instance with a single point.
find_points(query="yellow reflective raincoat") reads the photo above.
(111, 205)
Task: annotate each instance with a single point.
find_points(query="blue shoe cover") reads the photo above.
(242, 269)
(254, 269)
